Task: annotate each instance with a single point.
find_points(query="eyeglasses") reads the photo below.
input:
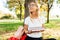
(31, 5)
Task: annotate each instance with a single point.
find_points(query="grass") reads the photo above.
(53, 24)
(12, 25)
(9, 26)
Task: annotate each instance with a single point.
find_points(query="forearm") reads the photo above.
(41, 30)
(28, 32)
(37, 31)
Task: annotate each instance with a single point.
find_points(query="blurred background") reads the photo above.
(13, 12)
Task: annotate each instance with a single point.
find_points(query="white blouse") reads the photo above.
(35, 24)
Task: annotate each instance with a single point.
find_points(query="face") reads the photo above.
(32, 7)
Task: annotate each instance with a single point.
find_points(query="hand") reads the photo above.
(41, 30)
(37, 31)
(30, 31)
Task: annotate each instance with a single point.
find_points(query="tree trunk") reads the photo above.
(48, 15)
(49, 7)
(26, 8)
(20, 9)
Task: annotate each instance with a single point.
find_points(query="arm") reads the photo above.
(40, 30)
(26, 29)
(43, 27)
(18, 34)
(28, 32)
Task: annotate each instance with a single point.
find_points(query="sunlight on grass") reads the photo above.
(54, 27)
(54, 24)
(9, 26)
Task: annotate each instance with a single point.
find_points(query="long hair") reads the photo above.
(37, 10)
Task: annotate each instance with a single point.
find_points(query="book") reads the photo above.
(35, 28)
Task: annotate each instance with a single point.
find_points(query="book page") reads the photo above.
(35, 28)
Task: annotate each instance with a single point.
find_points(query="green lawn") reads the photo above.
(53, 24)
(9, 26)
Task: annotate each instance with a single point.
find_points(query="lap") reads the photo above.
(30, 38)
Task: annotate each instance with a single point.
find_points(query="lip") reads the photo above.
(30, 8)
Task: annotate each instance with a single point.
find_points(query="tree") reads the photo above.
(16, 5)
(49, 5)
(26, 8)
(58, 1)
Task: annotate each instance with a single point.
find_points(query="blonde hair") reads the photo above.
(38, 9)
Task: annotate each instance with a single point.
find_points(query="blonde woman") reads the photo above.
(34, 24)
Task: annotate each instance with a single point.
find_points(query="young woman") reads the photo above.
(34, 24)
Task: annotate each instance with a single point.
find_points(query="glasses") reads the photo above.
(31, 5)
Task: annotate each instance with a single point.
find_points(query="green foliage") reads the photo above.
(6, 17)
(59, 1)
(18, 15)
(16, 5)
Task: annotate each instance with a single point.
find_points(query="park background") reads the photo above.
(13, 12)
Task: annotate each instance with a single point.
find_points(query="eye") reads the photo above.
(31, 5)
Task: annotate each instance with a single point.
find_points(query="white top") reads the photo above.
(35, 24)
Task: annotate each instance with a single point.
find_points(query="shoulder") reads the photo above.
(41, 17)
(27, 18)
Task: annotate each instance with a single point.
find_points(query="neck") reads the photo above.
(34, 15)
